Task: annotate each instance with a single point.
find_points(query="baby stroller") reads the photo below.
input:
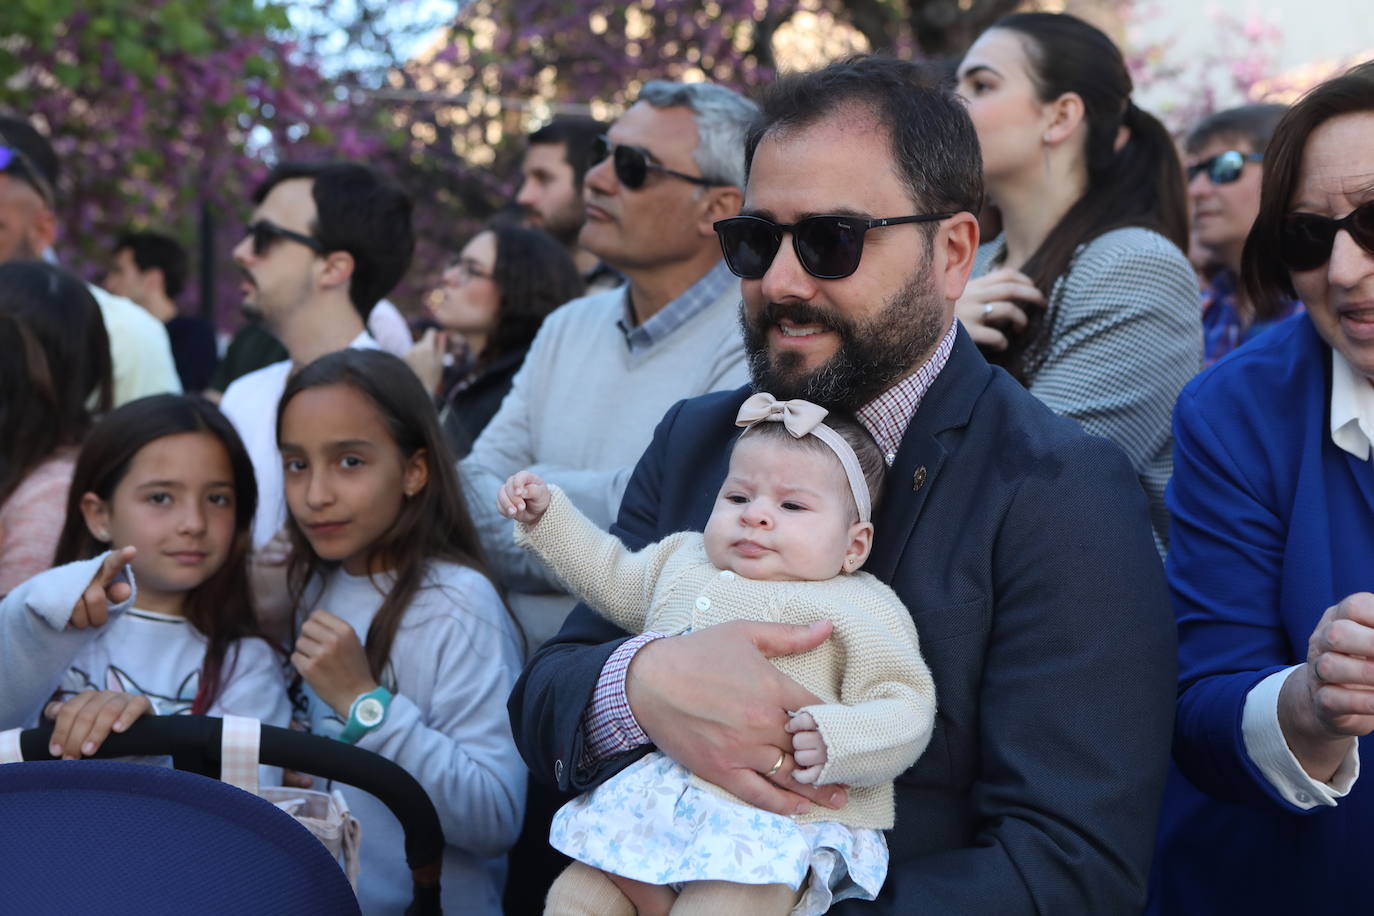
(115, 837)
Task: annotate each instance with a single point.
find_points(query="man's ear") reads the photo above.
(956, 245)
(337, 270)
(42, 229)
(96, 512)
(416, 473)
(720, 203)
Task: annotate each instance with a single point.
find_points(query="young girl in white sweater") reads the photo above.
(150, 610)
(405, 646)
(789, 531)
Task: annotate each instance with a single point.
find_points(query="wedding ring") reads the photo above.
(782, 755)
(987, 309)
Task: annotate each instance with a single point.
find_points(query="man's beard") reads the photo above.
(564, 224)
(873, 356)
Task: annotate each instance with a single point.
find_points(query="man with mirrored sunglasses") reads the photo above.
(1021, 545)
(140, 354)
(1225, 159)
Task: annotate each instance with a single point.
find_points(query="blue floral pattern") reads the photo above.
(649, 823)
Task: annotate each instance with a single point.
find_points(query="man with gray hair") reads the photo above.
(605, 367)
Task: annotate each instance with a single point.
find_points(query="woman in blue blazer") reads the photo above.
(1272, 551)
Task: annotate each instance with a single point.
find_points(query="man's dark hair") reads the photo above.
(578, 135)
(38, 154)
(153, 249)
(358, 211)
(1253, 123)
(933, 141)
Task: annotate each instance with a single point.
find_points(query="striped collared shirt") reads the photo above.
(676, 313)
(887, 416)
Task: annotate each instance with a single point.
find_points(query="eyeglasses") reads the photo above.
(14, 162)
(1305, 239)
(266, 233)
(828, 247)
(1223, 168)
(633, 165)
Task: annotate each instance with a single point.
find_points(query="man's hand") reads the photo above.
(1330, 700)
(713, 702)
(524, 497)
(332, 660)
(92, 609)
(86, 720)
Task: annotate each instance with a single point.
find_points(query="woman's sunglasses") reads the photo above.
(828, 247)
(633, 165)
(266, 233)
(1224, 168)
(1305, 239)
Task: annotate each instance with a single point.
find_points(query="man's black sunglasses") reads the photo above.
(266, 233)
(14, 162)
(828, 247)
(1306, 239)
(1224, 168)
(633, 165)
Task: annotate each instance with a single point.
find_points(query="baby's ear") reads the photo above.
(860, 543)
(96, 512)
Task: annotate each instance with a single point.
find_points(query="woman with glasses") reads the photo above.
(493, 299)
(1086, 297)
(1225, 154)
(1271, 563)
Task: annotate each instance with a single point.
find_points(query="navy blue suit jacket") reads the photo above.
(1022, 547)
(1272, 524)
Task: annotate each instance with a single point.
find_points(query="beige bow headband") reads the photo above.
(800, 418)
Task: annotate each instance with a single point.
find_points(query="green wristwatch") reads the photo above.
(367, 712)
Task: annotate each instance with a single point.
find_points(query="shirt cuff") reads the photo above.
(1269, 751)
(608, 726)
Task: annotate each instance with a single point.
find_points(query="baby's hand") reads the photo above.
(86, 720)
(808, 746)
(525, 498)
(93, 607)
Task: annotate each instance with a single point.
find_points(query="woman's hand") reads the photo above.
(1330, 700)
(86, 720)
(807, 746)
(331, 659)
(993, 307)
(524, 497)
(426, 358)
(92, 609)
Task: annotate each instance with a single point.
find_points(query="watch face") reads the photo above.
(370, 711)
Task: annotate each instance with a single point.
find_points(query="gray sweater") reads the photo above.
(580, 412)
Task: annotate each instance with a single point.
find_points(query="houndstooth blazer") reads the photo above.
(1125, 337)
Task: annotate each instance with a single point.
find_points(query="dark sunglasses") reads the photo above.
(1224, 168)
(633, 165)
(828, 247)
(266, 233)
(1305, 239)
(14, 162)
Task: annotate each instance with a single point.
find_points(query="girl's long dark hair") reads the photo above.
(535, 275)
(56, 362)
(1141, 184)
(433, 524)
(221, 607)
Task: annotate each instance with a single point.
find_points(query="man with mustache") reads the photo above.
(1021, 546)
(326, 241)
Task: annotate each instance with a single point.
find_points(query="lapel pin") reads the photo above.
(918, 479)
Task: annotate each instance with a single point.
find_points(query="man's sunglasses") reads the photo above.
(1223, 168)
(14, 162)
(633, 165)
(266, 233)
(1305, 239)
(828, 247)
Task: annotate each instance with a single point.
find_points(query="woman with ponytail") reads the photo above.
(1086, 297)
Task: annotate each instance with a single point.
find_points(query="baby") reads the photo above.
(785, 540)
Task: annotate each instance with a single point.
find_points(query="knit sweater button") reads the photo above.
(703, 603)
(727, 575)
